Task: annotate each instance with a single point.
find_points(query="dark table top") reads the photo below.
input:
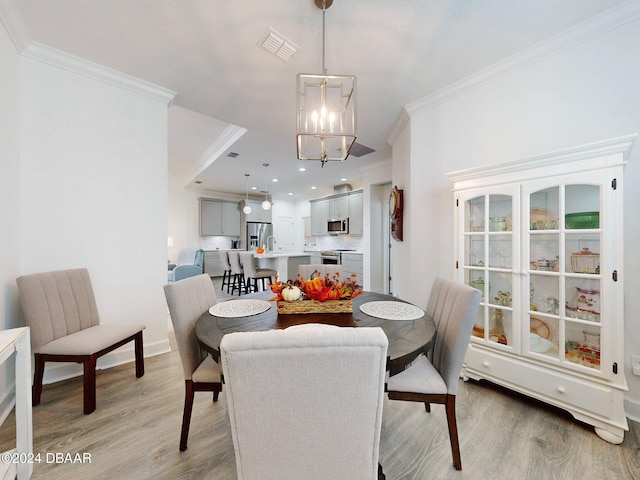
(407, 338)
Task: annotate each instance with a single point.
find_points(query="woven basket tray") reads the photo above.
(315, 306)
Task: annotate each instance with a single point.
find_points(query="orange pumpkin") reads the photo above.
(333, 294)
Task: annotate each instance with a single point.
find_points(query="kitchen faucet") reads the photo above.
(273, 244)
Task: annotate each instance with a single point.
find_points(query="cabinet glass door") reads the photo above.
(488, 259)
(564, 238)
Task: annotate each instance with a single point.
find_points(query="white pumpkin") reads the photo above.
(291, 293)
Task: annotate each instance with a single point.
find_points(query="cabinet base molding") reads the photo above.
(594, 402)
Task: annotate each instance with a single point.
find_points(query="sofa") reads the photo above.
(189, 263)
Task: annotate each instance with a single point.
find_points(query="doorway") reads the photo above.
(380, 239)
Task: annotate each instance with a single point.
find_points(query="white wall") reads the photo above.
(93, 192)
(581, 94)
(9, 204)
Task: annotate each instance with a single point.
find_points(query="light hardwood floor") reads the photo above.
(134, 434)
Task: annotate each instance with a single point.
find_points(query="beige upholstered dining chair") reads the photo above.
(237, 274)
(453, 307)
(317, 269)
(60, 308)
(252, 273)
(187, 300)
(305, 402)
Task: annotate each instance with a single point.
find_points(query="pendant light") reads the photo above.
(266, 205)
(247, 208)
(326, 111)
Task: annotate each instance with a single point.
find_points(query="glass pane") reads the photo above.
(474, 215)
(543, 335)
(545, 294)
(500, 251)
(479, 324)
(475, 279)
(500, 326)
(544, 209)
(582, 253)
(582, 345)
(500, 213)
(474, 250)
(583, 299)
(582, 206)
(500, 314)
(500, 289)
(544, 252)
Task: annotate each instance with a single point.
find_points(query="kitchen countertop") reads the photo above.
(280, 254)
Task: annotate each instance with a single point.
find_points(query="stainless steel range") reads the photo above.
(333, 257)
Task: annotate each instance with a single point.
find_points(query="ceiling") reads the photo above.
(228, 86)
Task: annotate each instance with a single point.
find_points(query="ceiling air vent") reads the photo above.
(233, 154)
(358, 150)
(277, 45)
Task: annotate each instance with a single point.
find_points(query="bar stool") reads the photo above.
(253, 274)
(237, 274)
(226, 277)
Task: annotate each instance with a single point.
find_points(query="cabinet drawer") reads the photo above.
(539, 382)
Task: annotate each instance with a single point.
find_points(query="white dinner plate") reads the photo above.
(239, 308)
(389, 310)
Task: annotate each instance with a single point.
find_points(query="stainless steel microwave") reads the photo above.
(340, 225)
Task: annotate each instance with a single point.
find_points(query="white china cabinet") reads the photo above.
(542, 239)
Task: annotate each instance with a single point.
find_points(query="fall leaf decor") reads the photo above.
(328, 294)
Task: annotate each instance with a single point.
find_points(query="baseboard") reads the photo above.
(632, 409)
(56, 372)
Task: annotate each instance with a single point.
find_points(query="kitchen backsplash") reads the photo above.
(334, 242)
(211, 243)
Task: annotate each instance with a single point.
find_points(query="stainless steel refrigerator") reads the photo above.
(258, 234)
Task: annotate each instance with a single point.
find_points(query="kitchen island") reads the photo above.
(285, 263)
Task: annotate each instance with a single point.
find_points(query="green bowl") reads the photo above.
(582, 220)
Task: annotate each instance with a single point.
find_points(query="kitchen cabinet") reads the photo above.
(213, 263)
(319, 217)
(542, 240)
(339, 207)
(345, 205)
(352, 264)
(258, 214)
(355, 213)
(219, 218)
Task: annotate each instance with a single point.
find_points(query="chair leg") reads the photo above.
(89, 379)
(450, 407)
(139, 355)
(186, 416)
(37, 380)
(427, 407)
(225, 280)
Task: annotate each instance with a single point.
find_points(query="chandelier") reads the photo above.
(326, 111)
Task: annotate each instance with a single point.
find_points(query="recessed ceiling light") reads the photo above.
(313, 188)
(343, 179)
(290, 193)
(275, 180)
(254, 188)
(302, 169)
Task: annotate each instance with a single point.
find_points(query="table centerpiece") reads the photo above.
(319, 294)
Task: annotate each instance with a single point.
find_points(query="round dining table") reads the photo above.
(407, 338)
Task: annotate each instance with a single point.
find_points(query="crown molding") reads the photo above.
(58, 58)
(13, 22)
(230, 135)
(599, 152)
(582, 32)
(401, 122)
